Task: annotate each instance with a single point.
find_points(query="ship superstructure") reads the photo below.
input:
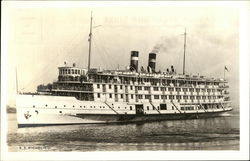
(103, 96)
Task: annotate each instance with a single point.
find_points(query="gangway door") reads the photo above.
(139, 109)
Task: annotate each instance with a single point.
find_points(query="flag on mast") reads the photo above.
(226, 69)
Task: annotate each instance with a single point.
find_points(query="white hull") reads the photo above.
(39, 110)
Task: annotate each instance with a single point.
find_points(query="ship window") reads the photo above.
(120, 86)
(73, 106)
(163, 88)
(83, 106)
(184, 89)
(110, 95)
(110, 86)
(208, 90)
(80, 106)
(118, 106)
(170, 89)
(55, 106)
(125, 107)
(197, 90)
(191, 89)
(46, 105)
(132, 96)
(69, 71)
(64, 105)
(178, 89)
(98, 85)
(73, 71)
(60, 111)
(156, 88)
(33, 106)
(156, 96)
(90, 106)
(139, 88)
(98, 95)
(147, 96)
(131, 87)
(147, 107)
(103, 106)
(146, 88)
(203, 97)
(94, 106)
(131, 108)
(121, 95)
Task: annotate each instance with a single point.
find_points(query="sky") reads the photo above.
(40, 38)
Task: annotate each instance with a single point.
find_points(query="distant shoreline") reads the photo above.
(10, 109)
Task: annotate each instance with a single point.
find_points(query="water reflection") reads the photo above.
(219, 133)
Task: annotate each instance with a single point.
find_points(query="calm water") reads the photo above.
(221, 133)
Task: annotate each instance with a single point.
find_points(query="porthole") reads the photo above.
(80, 106)
(46, 105)
(33, 106)
(55, 106)
(64, 105)
(73, 106)
(60, 111)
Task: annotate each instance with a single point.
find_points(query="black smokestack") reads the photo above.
(152, 61)
(134, 61)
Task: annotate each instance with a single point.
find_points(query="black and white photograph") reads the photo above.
(124, 77)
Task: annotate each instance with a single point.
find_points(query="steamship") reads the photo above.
(85, 96)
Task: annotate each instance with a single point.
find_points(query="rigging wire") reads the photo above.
(195, 55)
(44, 70)
(105, 52)
(99, 51)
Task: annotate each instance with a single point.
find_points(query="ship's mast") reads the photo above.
(185, 34)
(90, 38)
